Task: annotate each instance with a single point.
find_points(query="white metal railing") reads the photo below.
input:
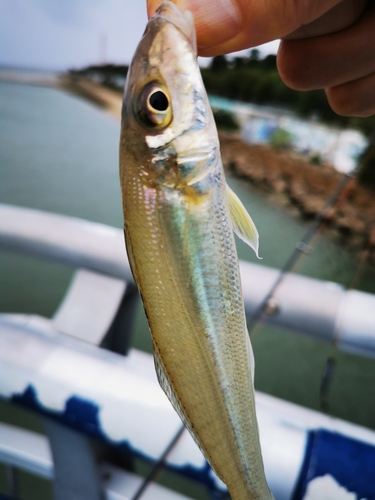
(323, 310)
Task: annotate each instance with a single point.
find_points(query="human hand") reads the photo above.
(325, 43)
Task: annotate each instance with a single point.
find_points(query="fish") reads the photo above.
(179, 222)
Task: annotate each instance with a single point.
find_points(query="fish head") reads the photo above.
(167, 123)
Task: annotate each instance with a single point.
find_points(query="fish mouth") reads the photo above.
(183, 21)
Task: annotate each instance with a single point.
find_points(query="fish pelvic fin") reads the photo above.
(243, 224)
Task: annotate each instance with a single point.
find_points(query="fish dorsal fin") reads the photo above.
(243, 224)
(165, 384)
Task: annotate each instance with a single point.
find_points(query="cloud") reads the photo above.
(61, 34)
(70, 12)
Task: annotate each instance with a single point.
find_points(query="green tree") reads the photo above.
(219, 63)
(366, 173)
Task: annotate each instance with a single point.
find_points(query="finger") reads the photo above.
(340, 17)
(227, 25)
(215, 20)
(355, 98)
(329, 60)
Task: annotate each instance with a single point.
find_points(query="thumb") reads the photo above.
(228, 25)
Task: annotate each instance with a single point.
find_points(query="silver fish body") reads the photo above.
(181, 248)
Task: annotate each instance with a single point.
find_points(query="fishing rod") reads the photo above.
(158, 465)
(301, 247)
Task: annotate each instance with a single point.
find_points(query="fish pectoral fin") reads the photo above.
(243, 224)
(165, 384)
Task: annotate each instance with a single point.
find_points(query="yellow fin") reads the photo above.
(243, 224)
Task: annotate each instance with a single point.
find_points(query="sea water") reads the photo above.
(60, 154)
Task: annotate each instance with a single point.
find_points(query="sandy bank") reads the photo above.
(109, 100)
(288, 178)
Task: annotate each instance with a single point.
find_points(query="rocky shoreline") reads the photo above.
(289, 179)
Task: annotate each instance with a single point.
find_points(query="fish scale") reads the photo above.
(181, 248)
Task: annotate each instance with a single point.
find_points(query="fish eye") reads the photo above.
(154, 107)
(158, 101)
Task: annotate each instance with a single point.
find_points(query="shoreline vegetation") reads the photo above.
(298, 184)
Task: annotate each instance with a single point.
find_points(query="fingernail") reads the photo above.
(216, 21)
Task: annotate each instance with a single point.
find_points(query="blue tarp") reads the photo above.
(350, 462)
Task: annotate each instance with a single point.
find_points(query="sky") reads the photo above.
(66, 34)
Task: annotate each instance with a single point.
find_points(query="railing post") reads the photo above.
(119, 336)
(77, 474)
